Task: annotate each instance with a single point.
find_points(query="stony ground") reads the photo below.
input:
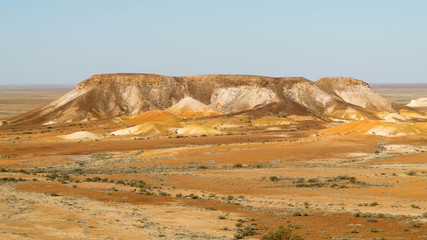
(214, 187)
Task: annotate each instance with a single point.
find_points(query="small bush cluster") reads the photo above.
(244, 231)
(273, 178)
(370, 215)
(299, 212)
(192, 196)
(63, 178)
(312, 182)
(237, 165)
(11, 179)
(340, 181)
(372, 204)
(281, 233)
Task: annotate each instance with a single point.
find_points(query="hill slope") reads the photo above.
(109, 95)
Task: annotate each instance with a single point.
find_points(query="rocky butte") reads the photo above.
(130, 94)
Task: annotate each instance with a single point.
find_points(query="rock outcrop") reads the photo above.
(357, 93)
(110, 95)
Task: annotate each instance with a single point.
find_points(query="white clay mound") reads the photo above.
(189, 107)
(420, 102)
(146, 129)
(49, 123)
(80, 135)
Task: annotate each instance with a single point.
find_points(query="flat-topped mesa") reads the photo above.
(228, 93)
(155, 78)
(123, 78)
(128, 94)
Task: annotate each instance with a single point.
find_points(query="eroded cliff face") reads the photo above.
(357, 93)
(109, 95)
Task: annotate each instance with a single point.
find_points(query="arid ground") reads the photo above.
(401, 93)
(322, 179)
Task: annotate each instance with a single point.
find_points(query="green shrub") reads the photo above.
(52, 176)
(192, 196)
(343, 177)
(246, 231)
(96, 179)
(297, 213)
(10, 179)
(281, 233)
(313, 180)
(238, 236)
(273, 178)
(300, 180)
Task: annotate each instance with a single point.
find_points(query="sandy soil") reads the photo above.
(322, 182)
(220, 177)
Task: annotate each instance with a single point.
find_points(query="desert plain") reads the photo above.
(192, 171)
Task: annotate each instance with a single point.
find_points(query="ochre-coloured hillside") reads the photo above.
(110, 95)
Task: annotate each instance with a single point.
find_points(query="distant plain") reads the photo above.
(401, 93)
(15, 100)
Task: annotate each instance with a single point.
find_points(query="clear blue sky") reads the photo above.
(65, 42)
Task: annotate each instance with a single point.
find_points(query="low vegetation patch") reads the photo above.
(342, 181)
(10, 179)
(281, 233)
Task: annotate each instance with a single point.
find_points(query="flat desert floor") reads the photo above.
(15, 100)
(401, 93)
(317, 178)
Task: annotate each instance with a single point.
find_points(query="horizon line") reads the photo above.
(414, 84)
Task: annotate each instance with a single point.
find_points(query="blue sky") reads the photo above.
(65, 42)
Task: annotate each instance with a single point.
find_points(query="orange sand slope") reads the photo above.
(381, 128)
